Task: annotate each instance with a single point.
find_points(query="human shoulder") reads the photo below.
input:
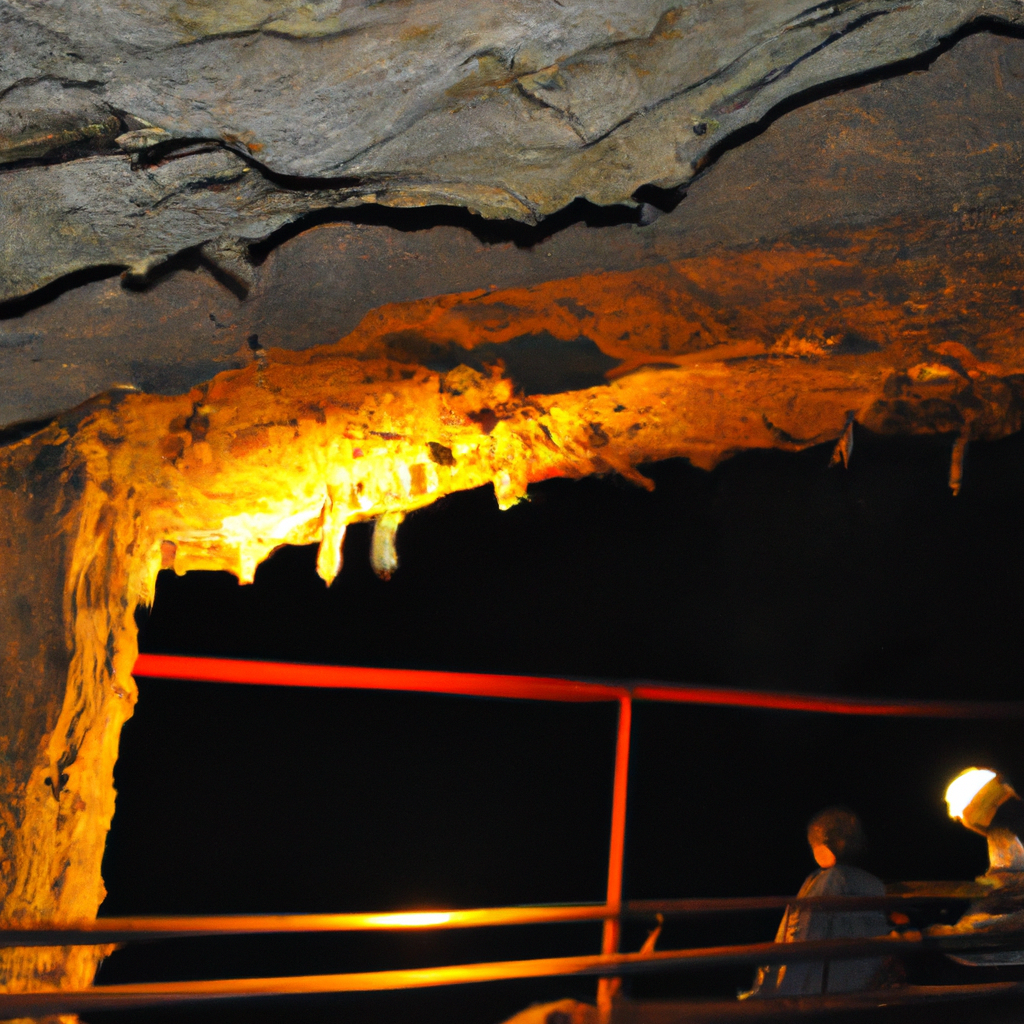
(854, 881)
(816, 883)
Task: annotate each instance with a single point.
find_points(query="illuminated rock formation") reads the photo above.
(875, 284)
(415, 404)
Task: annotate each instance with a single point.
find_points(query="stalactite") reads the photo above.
(383, 553)
(296, 446)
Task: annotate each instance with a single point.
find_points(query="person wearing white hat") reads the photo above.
(983, 801)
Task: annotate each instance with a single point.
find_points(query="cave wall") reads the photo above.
(239, 117)
(934, 149)
(68, 638)
(854, 258)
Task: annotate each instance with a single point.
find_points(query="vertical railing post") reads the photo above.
(607, 987)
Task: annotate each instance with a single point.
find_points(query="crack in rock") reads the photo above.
(510, 109)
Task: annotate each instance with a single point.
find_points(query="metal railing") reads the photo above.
(606, 965)
(602, 966)
(105, 930)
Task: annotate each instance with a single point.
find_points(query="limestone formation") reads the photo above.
(423, 399)
(857, 264)
(233, 119)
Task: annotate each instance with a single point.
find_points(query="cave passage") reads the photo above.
(772, 571)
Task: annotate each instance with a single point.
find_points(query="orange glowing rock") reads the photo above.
(701, 358)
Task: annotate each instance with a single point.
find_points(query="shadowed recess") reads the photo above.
(537, 364)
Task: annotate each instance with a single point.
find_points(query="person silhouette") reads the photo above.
(836, 838)
(983, 801)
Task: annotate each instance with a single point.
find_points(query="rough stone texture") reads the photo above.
(100, 212)
(860, 260)
(60, 711)
(938, 150)
(706, 356)
(511, 109)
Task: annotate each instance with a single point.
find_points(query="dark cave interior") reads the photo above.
(771, 572)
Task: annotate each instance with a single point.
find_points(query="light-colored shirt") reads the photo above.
(801, 924)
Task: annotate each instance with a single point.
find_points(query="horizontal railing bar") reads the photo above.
(782, 701)
(957, 890)
(476, 684)
(351, 677)
(125, 929)
(159, 993)
(704, 1010)
(705, 907)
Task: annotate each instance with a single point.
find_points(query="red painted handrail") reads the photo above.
(225, 670)
(476, 684)
(349, 677)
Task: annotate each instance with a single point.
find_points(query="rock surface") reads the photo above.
(935, 155)
(238, 117)
(694, 358)
(860, 260)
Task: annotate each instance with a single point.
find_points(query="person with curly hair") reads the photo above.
(836, 838)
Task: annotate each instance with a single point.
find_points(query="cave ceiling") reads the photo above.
(245, 114)
(190, 185)
(270, 269)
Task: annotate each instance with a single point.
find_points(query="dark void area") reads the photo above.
(772, 572)
(537, 364)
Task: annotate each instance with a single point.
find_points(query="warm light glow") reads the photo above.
(823, 856)
(964, 788)
(415, 920)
